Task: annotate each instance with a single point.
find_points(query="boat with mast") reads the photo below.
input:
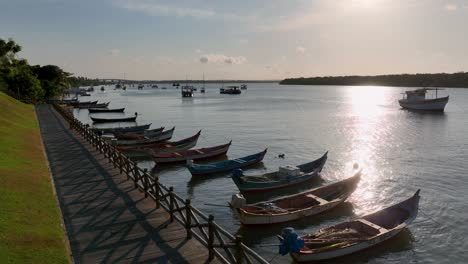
(416, 100)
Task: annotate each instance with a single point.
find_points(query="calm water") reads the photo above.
(400, 151)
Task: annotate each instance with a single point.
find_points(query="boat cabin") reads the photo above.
(187, 91)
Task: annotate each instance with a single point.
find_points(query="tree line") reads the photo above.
(33, 82)
(459, 79)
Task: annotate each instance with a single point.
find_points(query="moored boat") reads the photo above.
(187, 91)
(110, 120)
(243, 87)
(121, 129)
(76, 103)
(284, 177)
(139, 134)
(230, 90)
(296, 206)
(163, 136)
(416, 100)
(193, 154)
(105, 110)
(87, 106)
(352, 236)
(162, 147)
(227, 165)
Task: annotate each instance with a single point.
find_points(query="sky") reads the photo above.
(242, 39)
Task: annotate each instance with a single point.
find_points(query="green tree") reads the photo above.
(53, 79)
(20, 79)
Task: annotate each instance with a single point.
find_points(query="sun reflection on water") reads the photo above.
(367, 130)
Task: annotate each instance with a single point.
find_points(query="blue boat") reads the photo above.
(284, 177)
(227, 165)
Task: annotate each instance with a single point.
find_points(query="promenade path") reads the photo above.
(107, 219)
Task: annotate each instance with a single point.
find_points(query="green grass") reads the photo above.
(30, 226)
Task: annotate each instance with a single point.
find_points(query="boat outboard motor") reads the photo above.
(238, 200)
(237, 175)
(290, 241)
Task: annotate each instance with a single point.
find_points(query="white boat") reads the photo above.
(353, 236)
(416, 100)
(296, 206)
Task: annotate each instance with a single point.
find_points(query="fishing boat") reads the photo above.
(163, 136)
(87, 106)
(416, 100)
(162, 147)
(118, 86)
(286, 176)
(296, 206)
(223, 166)
(243, 87)
(187, 91)
(230, 90)
(154, 86)
(105, 110)
(103, 89)
(352, 236)
(193, 154)
(139, 134)
(121, 129)
(141, 86)
(76, 103)
(110, 120)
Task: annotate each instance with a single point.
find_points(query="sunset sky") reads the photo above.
(244, 39)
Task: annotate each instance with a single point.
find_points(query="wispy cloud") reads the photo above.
(221, 58)
(113, 52)
(159, 8)
(300, 49)
(451, 7)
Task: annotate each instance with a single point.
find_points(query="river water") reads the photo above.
(399, 152)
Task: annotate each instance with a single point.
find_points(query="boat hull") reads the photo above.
(123, 129)
(437, 105)
(214, 152)
(166, 135)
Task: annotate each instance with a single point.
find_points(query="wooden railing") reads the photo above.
(220, 243)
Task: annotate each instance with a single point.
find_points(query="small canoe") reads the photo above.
(193, 154)
(285, 177)
(356, 235)
(76, 103)
(104, 110)
(110, 120)
(121, 129)
(162, 147)
(87, 106)
(139, 134)
(227, 165)
(165, 135)
(296, 206)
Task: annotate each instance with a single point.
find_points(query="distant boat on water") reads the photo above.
(416, 100)
(230, 90)
(243, 87)
(187, 91)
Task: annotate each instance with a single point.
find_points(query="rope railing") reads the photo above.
(220, 243)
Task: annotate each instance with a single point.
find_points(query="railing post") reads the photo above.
(239, 250)
(156, 190)
(135, 175)
(188, 218)
(120, 162)
(210, 237)
(145, 181)
(171, 203)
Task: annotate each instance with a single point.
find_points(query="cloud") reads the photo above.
(300, 49)
(114, 52)
(154, 8)
(220, 58)
(198, 51)
(451, 7)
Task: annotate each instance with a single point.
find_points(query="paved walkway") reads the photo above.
(106, 218)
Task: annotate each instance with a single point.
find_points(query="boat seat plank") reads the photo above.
(239, 160)
(381, 229)
(199, 151)
(318, 199)
(177, 154)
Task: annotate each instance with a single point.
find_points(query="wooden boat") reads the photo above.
(230, 90)
(243, 87)
(139, 134)
(87, 106)
(162, 147)
(356, 235)
(227, 165)
(416, 100)
(76, 103)
(187, 91)
(110, 120)
(295, 206)
(105, 110)
(121, 129)
(193, 154)
(163, 136)
(285, 177)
